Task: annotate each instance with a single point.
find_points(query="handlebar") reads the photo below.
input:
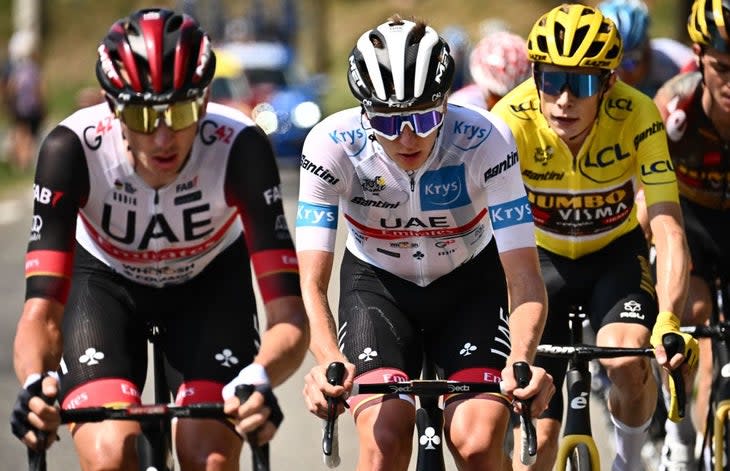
(335, 375)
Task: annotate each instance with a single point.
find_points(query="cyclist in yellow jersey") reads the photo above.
(587, 142)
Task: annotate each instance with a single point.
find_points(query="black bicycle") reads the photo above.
(154, 445)
(578, 447)
(429, 416)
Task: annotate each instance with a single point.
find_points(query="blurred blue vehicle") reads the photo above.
(280, 97)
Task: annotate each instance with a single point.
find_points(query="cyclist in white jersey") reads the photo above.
(151, 207)
(440, 251)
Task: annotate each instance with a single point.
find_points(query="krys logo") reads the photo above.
(475, 135)
(444, 188)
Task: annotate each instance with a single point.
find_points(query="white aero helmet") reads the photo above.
(400, 64)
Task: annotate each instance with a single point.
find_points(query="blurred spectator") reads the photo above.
(647, 63)
(497, 64)
(89, 96)
(459, 44)
(24, 98)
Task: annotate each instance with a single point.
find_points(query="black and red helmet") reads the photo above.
(155, 56)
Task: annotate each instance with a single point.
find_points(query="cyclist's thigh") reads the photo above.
(210, 327)
(374, 333)
(103, 343)
(624, 291)
(467, 329)
(104, 356)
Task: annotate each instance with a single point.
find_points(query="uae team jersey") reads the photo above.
(422, 224)
(88, 193)
(582, 203)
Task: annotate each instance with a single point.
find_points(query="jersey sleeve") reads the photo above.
(253, 186)
(509, 208)
(320, 182)
(61, 186)
(655, 167)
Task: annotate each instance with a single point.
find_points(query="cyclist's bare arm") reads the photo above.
(284, 343)
(253, 186)
(528, 306)
(38, 344)
(528, 302)
(672, 265)
(316, 270)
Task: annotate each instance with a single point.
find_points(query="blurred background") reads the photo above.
(282, 61)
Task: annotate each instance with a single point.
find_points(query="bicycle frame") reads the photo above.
(577, 432)
(429, 416)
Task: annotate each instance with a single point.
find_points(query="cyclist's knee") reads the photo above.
(102, 447)
(385, 431)
(629, 374)
(207, 445)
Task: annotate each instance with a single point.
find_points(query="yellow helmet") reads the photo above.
(575, 35)
(707, 24)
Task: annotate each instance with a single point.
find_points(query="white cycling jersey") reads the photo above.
(417, 225)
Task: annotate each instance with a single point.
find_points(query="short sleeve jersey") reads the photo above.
(417, 225)
(582, 203)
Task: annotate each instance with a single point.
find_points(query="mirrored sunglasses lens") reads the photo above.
(181, 115)
(584, 85)
(139, 118)
(580, 85)
(144, 119)
(425, 123)
(388, 126)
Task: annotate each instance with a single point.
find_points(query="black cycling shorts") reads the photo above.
(208, 331)
(461, 318)
(708, 237)
(614, 284)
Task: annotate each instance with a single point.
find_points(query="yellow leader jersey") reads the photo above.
(582, 203)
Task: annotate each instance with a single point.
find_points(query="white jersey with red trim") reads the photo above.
(155, 236)
(419, 225)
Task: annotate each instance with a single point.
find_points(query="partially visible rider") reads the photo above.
(587, 141)
(498, 63)
(151, 208)
(440, 252)
(647, 62)
(696, 111)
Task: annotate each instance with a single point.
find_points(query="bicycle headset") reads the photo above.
(155, 56)
(400, 65)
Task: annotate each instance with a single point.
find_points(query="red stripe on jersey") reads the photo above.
(102, 393)
(142, 256)
(477, 375)
(197, 392)
(405, 232)
(269, 265)
(48, 263)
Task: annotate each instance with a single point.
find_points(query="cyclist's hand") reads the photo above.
(34, 411)
(540, 389)
(316, 388)
(259, 416)
(667, 322)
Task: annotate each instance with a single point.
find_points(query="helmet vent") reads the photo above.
(174, 23)
(579, 38)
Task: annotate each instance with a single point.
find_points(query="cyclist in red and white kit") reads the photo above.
(440, 252)
(151, 208)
